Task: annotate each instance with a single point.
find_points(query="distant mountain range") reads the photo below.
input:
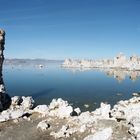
(16, 61)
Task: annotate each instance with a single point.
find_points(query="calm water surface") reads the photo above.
(78, 87)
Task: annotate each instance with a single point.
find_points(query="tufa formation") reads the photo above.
(4, 98)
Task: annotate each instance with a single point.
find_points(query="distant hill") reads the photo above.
(29, 61)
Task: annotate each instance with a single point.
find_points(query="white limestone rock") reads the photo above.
(4, 117)
(57, 103)
(136, 94)
(135, 127)
(17, 114)
(103, 111)
(2, 88)
(77, 110)
(120, 61)
(11, 114)
(27, 102)
(20, 106)
(101, 135)
(60, 108)
(62, 112)
(126, 110)
(85, 118)
(43, 125)
(16, 100)
(42, 109)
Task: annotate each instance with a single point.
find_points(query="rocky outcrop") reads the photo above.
(129, 111)
(119, 62)
(2, 42)
(4, 98)
(20, 107)
(61, 120)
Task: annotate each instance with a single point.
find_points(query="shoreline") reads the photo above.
(59, 120)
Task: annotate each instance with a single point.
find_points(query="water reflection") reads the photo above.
(119, 74)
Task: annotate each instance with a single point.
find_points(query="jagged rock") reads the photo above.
(2, 88)
(57, 103)
(101, 135)
(85, 118)
(43, 109)
(62, 112)
(27, 102)
(43, 125)
(104, 111)
(126, 110)
(16, 100)
(60, 108)
(76, 112)
(129, 111)
(11, 114)
(20, 107)
(135, 127)
(136, 94)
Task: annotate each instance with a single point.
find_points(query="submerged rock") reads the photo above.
(136, 94)
(86, 105)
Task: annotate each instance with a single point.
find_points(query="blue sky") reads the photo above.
(57, 29)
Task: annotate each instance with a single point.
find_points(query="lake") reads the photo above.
(78, 86)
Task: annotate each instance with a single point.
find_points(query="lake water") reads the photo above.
(79, 87)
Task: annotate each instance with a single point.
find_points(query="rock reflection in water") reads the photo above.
(120, 75)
